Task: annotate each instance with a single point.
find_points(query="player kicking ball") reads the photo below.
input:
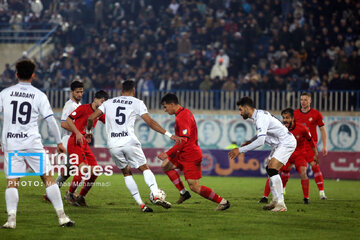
(78, 146)
(125, 148)
(303, 137)
(271, 131)
(187, 155)
(22, 104)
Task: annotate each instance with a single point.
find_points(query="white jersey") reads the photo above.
(272, 128)
(22, 104)
(69, 107)
(121, 113)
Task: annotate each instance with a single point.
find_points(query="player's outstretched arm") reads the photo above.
(156, 126)
(55, 132)
(79, 137)
(90, 122)
(323, 137)
(65, 126)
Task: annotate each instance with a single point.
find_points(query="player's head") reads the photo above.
(128, 88)
(100, 97)
(170, 103)
(77, 90)
(305, 100)
(344, 135)
(288, 117)
(144, 131)
(25, 69)
(240, 133)
(246, 107)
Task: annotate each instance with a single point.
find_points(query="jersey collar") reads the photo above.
(305, 112)
(179, 110)
(24, 83)
(91, 107)
(253, 116)
(293, 126)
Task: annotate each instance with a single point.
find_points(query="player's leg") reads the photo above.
(265, 198)
(285, 174)
(12, 200)
(54, 195)
(64, 175)
(319, 180)
(169, 168)
(304, 183)
(150, 180)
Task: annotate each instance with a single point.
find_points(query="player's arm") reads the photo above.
(90, 122)
(156, 126)
(79, 137)
(250, 141)
(309, 138)
(65, 126)
(323, 137)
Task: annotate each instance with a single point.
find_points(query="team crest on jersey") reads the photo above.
(74, 113)
(297, 136)
(184, 131)
(310, 119)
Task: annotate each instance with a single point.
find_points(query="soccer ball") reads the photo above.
(161, 194)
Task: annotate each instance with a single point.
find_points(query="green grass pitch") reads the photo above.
(113, 214)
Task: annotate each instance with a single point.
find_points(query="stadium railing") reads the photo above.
(226, 100)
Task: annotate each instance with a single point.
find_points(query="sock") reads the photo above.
(12, 199)
(175, 178)
(133, 188)
(75, 183)
(284, 178)
(87, 185)
(277, 188)
(267, 188)
(210, 194)
(318, 177)
(151, 181)
(305, 187)
(54, 195)
(61, 179)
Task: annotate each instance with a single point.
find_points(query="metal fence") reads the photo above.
(226, 100)
(24, 32)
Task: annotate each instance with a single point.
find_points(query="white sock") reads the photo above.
(54, 195)
(151, 181)
(276, 187)
(133, 188)
(183, 191)
(61, 179)
(12, 199)
(322, 192)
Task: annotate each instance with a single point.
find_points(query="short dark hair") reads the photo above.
(305, 94)
(76, 84)
(288, 111)
(246, 101)
(102, 94)
(170, 98)
(25, 69)
(128, 85)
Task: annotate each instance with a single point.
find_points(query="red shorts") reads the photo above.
(82, 151)
(309, 155)
(192, 169)
(298, 159)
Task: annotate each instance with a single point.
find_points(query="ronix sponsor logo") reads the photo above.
(119, 134)
(16, 135)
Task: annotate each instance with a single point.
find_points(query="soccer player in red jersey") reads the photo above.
(303, 138)
(78, 145)
(312, 118)
(187, 155)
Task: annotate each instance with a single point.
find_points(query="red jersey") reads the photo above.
(303, 138)
(185, 126)
(81, 115)
(310, 119)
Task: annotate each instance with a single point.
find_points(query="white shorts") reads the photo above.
(65, 140)
(282, 153)
(15, 163)
(128, 155)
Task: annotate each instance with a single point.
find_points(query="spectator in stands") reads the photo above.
(224, 57)
(206, 85)
(219, 70)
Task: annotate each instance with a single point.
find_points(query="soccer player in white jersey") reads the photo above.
(125, 148)
(76, 91)
(21, 141)
(271, 131)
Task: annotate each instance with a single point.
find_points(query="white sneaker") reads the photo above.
(323, 196)
(270, 206)
(162, 203)
(9, 225)
(280, 207)
(66, 222)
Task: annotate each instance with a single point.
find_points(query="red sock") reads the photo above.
(75, 183)
(87, 185)
(305, 187)
(175, 178)
(285, 177)
(210, 194)
(267, 188)
(318, 177)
